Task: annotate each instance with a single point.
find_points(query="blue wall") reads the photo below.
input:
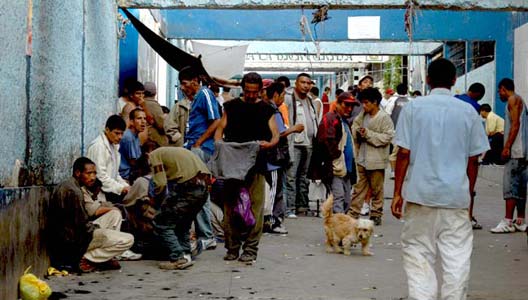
(128, 51)
(284, 25)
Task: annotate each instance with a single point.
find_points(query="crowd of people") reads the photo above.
(168, 184)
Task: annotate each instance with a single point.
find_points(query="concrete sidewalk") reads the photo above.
(296, 267)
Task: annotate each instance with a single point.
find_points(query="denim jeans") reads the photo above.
(297, 182)
(177, 212)
(341, 188)
(202, 223)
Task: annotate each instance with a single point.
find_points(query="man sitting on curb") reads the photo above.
(105, 214)
(75, 241)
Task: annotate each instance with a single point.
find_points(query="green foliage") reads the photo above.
(392, 74)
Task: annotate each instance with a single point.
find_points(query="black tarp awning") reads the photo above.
(173, 55)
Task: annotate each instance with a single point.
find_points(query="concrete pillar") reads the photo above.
(13, 100)
(73, 81)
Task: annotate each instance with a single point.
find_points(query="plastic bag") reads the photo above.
(32, 288)
(243, 208)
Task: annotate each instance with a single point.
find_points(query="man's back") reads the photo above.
(441, 132)
(398, 106)
(156, 133)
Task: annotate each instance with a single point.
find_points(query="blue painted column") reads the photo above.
(128, 52)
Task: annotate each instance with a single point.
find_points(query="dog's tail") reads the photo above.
(328, 207)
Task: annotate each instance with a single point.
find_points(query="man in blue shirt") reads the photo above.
(204, 116)
(129, 146)
(475, 93)
(438, 183)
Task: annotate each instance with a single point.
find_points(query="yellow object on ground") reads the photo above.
(54, 272)
(32, 288)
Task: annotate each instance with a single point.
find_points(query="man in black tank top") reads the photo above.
(248, 119)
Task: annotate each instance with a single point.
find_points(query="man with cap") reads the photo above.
(155, 119)
(333, 158)
(389, 93)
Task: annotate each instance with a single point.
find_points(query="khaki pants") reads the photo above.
(428, 233)
(110, 220)
(234, 234)
(372, 179)
(108, 241)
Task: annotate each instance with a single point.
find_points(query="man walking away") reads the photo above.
(474, 94)
(398, 105)
(438, 184)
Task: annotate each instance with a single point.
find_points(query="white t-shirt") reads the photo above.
(389, 105)
(441, 132)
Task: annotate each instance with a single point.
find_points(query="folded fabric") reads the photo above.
(233, 160)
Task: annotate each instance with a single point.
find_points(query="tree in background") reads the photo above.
(392, 72)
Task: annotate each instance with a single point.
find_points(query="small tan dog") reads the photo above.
(345, 229)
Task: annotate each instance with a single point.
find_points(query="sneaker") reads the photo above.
(503, 227)
(279, 229)
(291, 215)
(230, 256)
(129, 255)
(196, 247)
(521, 228)
(181, 263)
(247, 258)
(475, 224)
(376, 220)
(86, 266)
(209, 244)
(365, 209)
(112, 264)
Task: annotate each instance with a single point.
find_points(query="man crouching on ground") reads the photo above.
(75, 241)
(186, 180)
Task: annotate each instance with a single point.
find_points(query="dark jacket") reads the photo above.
(326, 148)
(69, 229)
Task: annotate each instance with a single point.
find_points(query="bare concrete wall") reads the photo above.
(22, 221)
(12, 84)
(101, 67)
(71, 87)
